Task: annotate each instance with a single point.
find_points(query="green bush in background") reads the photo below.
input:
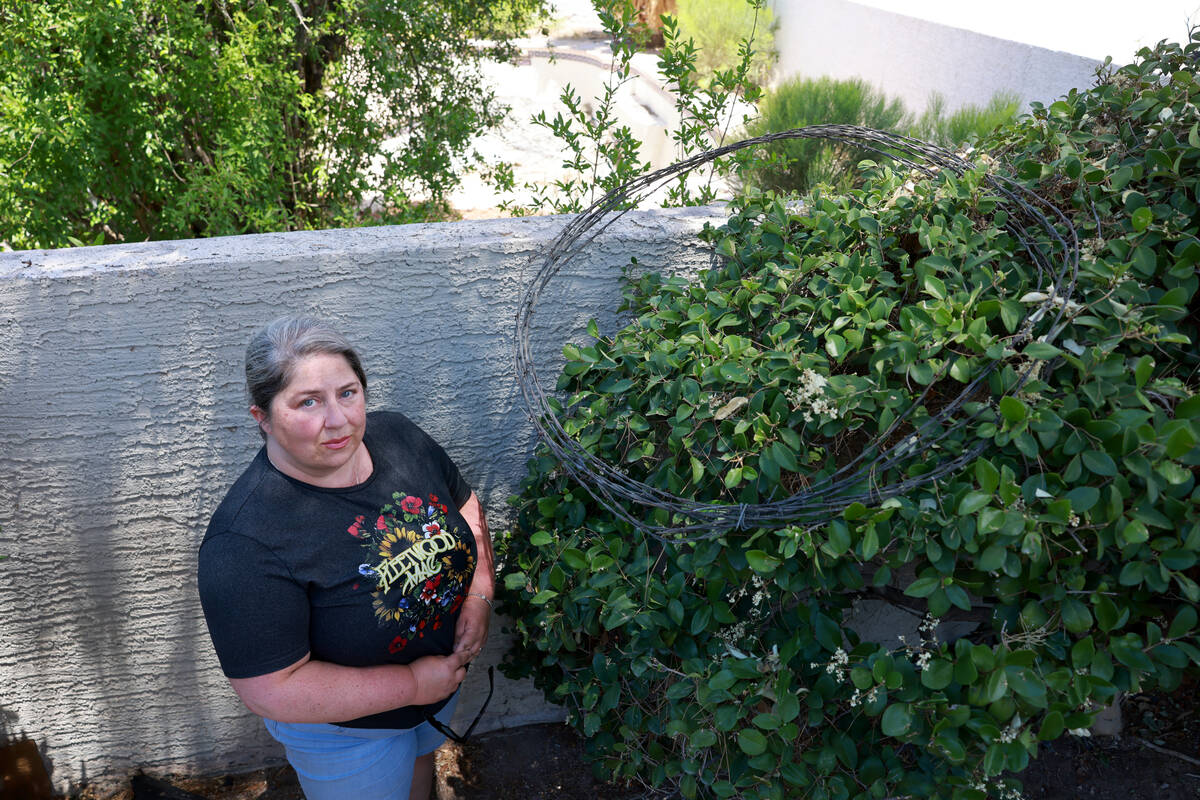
(159, 119)
(1068, 548)
(799, 165)
(965, 125)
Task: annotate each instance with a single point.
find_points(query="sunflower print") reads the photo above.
(420, 564)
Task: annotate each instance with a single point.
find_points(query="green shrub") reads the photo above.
(718, 27)
(799, 165)
(966, 125)
(724, 667)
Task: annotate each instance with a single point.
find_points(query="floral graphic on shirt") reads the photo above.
(420, 565)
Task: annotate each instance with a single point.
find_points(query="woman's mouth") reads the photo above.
(337, 444)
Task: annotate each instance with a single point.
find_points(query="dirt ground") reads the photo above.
(1157, 757)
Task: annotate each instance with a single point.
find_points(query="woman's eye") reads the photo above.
(308, 402)
(348, 393)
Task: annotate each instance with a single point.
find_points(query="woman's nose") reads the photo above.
(334, 416)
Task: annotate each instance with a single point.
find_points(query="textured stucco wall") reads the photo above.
(122, 421)
(908, 57)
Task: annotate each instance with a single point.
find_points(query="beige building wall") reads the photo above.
(910, 57)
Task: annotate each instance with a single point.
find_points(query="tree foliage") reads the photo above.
(127, 120)
(1066, 551)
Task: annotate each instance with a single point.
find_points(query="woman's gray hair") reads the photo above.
(273, 352)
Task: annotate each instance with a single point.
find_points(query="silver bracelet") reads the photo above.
(484, 598)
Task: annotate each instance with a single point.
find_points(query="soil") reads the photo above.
(1157, 757)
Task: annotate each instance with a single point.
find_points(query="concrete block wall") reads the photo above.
(123, 420)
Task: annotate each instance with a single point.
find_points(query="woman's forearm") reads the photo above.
(318, 691)
(484, 581)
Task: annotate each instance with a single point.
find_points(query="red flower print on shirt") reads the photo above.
(431, 529)
(380, 524)
(398, 644)
(411, 505)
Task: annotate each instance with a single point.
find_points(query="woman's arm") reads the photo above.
(472, 628)
(318, 691)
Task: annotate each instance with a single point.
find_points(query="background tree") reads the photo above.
(158, 119)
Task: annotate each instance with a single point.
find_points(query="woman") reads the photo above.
(347, 577)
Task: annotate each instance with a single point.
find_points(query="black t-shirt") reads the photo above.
(362, 575)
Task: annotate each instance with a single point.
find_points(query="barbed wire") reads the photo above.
(857, 481)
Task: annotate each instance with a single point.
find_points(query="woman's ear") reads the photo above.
(261, 417)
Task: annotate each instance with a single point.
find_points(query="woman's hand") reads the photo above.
(437, 677)
(472, 629)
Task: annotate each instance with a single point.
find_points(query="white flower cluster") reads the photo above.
(735, 635)
(1010, 733)
(1083, 733)
(858, 698)
(928, 628)
(1088, 248)
(810, 397)
(838, 666)
(1004, 792)
(925, 649)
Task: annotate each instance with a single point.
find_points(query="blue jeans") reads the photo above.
(336, 763)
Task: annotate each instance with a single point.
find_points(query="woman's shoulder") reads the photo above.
(244, 498)
(397, 427)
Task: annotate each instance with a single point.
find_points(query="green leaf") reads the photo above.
(1076, 616)
(839, 538)
(575, 558)
(995, 687)
(752, 742)
(992, 558)
(541, 539)
(1128, 650)
(1083, 498)
(1185, 621)
(923, 587)
(1013, 409)
(1042, 350)
(897, 720)
(543, 597)
(972, 502)
(735, 373)
(1053, 726)
(986, 475)
(1099, 463)
(1141, 219)
(937, 674)
(1025, 682)
(761, 562)
(994, 759)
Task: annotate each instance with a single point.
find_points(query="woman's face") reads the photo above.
(315, 424)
